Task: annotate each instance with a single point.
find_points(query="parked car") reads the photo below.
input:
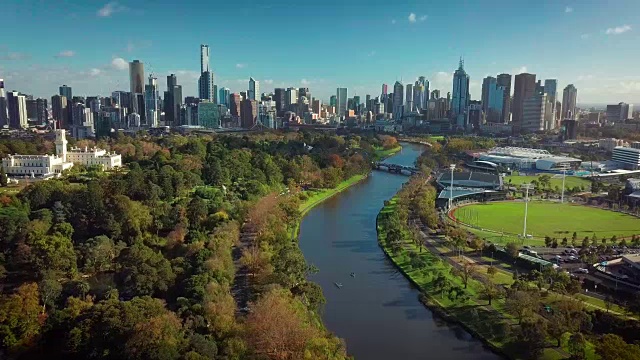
(584, 271)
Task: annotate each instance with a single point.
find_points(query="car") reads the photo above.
(584, 271)
(527, 247)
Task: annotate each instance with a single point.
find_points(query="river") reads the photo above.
(377, 312)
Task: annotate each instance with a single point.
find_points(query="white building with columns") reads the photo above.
(54, 165)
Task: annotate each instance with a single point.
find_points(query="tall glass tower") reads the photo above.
(460, 100)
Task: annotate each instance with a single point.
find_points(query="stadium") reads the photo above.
(469, 186)
(524, 159)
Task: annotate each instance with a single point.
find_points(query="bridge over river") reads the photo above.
(395, 168)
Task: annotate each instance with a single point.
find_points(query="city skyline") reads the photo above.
(95, 68)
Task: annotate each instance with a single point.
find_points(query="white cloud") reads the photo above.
(585, 77)
(111, 8)
(66, 53)
(568, 9)
(523, 69)
(423, 18)
(412, 18)
(94, 72)
(119, 63)
(268, 81)
(585, 36)
(14, 56)
(618, 30)
(393, 21)
(241, 66)
(305, 82)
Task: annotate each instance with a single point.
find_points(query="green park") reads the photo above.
(551, 219)
(554, 181)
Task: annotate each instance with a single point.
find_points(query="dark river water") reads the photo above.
(377, 312)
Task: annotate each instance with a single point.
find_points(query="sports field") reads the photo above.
(556, 180)
(549, 219)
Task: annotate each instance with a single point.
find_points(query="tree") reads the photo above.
(565, 241)
(492, 270)
(491, 291)
(99, 253)
(20, 320)
(521, 303)
(531, 338)
(143, 271)
(547, 241)
(577, 346)
(276, 327)
(613, 347)
(160, 337)
(3, 177)
(512, 250)
(466, 271)
(477, 244)
(50, 289)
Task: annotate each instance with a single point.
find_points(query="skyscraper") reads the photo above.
(152, 100)
(254, 89)
(223, 96)
(524, 87)
(398, 100)
(206, 86)
(618, 113)
(569, 96)
(535, 109)
(492, 99)
(279, 97)
(204, 58)
(66, 92)
(17, 110)
(172, 101)
(460, 100)
(4, 117)
(409, 98)
(249, 113)
(60, 111)
(234, 106)
(421, 93)
(136, 77)
(504, 80)
(551, 89)
(341, 101)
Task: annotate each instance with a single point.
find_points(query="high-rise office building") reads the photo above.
(551, 89)
(152, 100)
(492, 99)
(235, 101)
(206, 86)
(569, 97)
(460, 100)
(291, 99)
(341, 101)
(504, 80)
(249, 113)
(618, 113)
(66, 92)
(204, 58)
(409, 98)
(535, 110)
(398, 100)
(421, 93)
(279, 96)
(208, 115)
(4, 117)
(37, 110)
(136, 77)
(17, 110)
(223, 96)
(254, 89)
(60, 111)
(333, 100)
(523, 88)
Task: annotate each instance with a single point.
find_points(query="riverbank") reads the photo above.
(317, 196)
(382, 153)
(443, 290)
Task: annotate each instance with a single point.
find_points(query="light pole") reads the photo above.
(527, 187)
(452, 167)
(564, 174)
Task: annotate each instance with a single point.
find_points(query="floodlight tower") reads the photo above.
(452, 167)
(527, 187)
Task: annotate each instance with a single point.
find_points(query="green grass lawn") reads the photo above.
(547, 219)
(381, 153)
(570, 181)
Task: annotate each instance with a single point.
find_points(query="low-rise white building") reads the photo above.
(54, 165)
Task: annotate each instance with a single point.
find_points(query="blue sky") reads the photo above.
(321, 45)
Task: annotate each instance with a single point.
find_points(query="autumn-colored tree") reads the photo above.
(160, 337)
(20, 320)
(277, 328)
(219, 308)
